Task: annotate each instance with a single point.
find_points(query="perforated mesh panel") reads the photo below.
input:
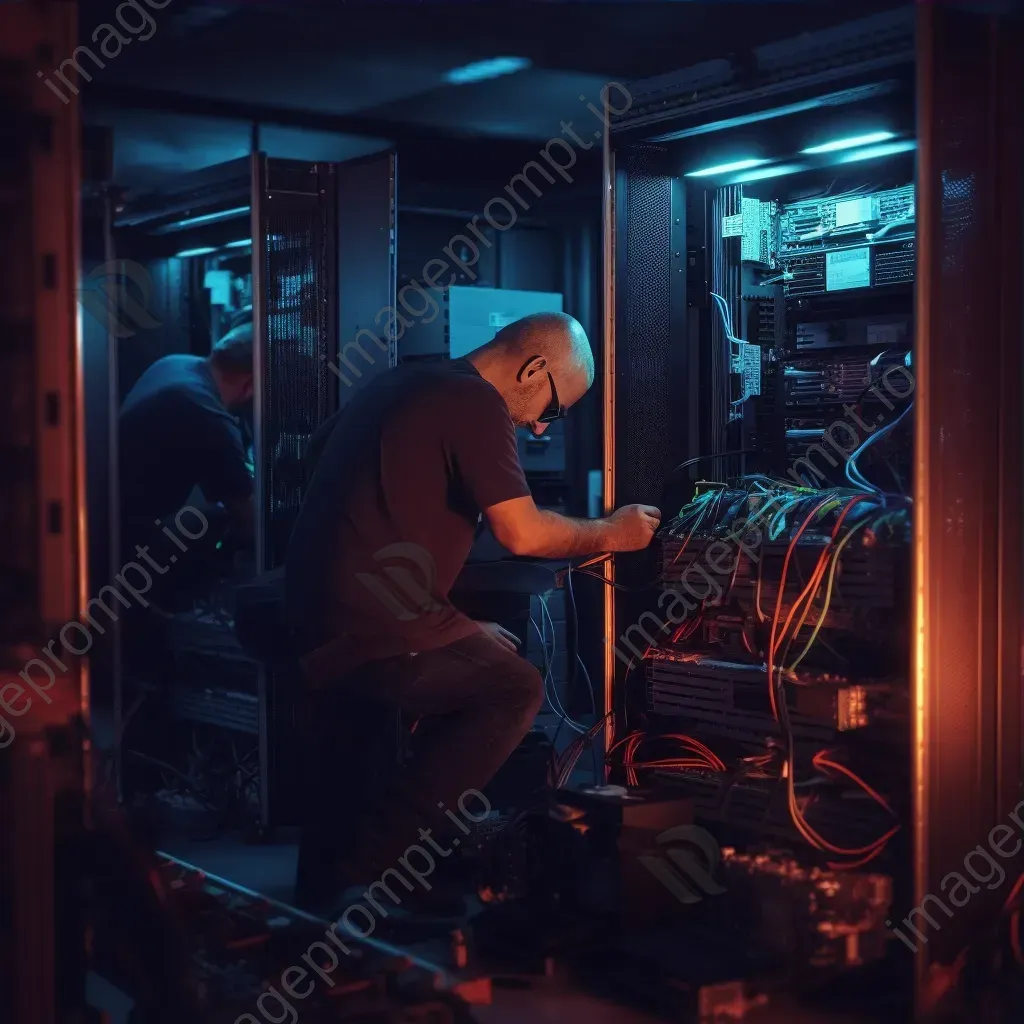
(643, 337)
(297, 395)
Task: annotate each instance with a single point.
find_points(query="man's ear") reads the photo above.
(532, 366)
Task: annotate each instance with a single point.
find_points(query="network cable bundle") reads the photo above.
(788, 607)
(775, 697)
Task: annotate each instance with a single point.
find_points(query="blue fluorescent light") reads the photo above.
(205, 218)
(735, 165)
(850, 143)
(242, 243)
(480, 70)
(766, 172)
(204, 250)
(873, 152)
(833, 99)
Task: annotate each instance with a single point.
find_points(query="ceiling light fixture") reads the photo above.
(850, 143)
(729, 168)
(766, 172)
(835, 99)
(203, 218)
(874, 152)
(186, 253)
(479, 71)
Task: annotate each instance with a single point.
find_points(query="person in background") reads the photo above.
(403, 475)
(177, 431)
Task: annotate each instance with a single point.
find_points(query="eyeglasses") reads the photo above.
(555, 410)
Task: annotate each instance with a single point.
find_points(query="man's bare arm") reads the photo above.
(524, 529)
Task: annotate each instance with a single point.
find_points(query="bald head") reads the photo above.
(532, 359)
(557, 337)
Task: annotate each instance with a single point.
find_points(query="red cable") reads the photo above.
(778, 603)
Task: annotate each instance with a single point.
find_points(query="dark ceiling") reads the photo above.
(332, 80)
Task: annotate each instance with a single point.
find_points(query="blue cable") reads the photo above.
(853, 474)
(726, 314)
(598, 780)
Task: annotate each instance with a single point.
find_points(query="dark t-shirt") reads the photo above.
(174, 434)
(392, 508)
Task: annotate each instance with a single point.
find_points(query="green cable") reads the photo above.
(828, 595)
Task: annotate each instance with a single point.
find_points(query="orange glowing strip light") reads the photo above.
(608, 214)
(926, 216)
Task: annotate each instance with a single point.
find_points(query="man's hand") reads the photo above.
(634, 526)
(501, 636)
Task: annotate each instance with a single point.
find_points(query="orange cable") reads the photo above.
(778, 603)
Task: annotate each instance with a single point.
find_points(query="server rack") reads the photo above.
(962, 599)
(312, 274)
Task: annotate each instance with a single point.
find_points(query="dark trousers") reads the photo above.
(475, 702)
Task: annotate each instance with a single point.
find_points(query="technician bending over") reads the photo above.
(177, 430)
(387, 525)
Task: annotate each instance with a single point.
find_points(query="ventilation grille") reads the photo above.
(295, 376)
(645, 338)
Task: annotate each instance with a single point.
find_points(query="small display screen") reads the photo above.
(849, 268)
